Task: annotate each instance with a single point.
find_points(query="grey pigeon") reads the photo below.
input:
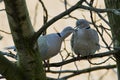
(84, 41)
(50, 45)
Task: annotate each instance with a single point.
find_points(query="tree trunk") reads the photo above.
(29, 60)
(114, 21)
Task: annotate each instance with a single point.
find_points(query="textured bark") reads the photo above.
(9, 70)
(29, 60)
(115, 28)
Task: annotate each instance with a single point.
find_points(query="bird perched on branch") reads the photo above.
(50, 45)
(84, 41)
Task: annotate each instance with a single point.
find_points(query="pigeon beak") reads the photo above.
(76, 28)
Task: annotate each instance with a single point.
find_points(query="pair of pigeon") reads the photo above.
(84, 41)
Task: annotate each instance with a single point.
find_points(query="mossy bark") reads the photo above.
(29, 60)
(114, 21)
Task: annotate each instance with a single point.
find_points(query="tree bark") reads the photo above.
(29, 60)
(114, 21)
(9, 70)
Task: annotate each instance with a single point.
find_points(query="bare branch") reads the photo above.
(6, 67)
(68, 11)
(100, 62)
(84, 70)
(2, 9)
(9, 54)
(46, 25)
(1, 37)
(75, 73)
(101, 34)
(5, 32)
(45, 14)
(45, 11)
(69, 15)
(58, 64)
(114, 11)
(103, 19)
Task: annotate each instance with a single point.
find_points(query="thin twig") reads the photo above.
(45, 11)
(103, 19)
(69, 15)
(89, 70)
(84, 70)
(2, 9)
(9, 54)
(53, 20)
(114, 11)
(59, 73)
(1, 37)
(101, 35)
(75, 73)
(65, 3)
(45, 15)
(5, 32)
(104, 27)
(100, 62)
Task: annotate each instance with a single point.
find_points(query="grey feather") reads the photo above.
(50, 44)
(84, 41)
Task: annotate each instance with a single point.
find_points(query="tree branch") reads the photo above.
(84, 70)
(75, 73)
(58, 64)
(2, 9)
(68, 11)
(29, 61)
(50, 22)
(5, 32)
(45, 15)
(9, 70)
(114, 11)
(45, 11)
(10, 54)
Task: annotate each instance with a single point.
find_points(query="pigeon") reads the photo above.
(84, 41)
(49, 45)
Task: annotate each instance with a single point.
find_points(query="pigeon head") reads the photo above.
(82, 23)
(66, 32)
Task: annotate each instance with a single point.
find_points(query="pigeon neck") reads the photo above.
(88, 27)
(65, 34)
(59, 34)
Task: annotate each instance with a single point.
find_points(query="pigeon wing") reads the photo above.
(96, 38)
(43, 47)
